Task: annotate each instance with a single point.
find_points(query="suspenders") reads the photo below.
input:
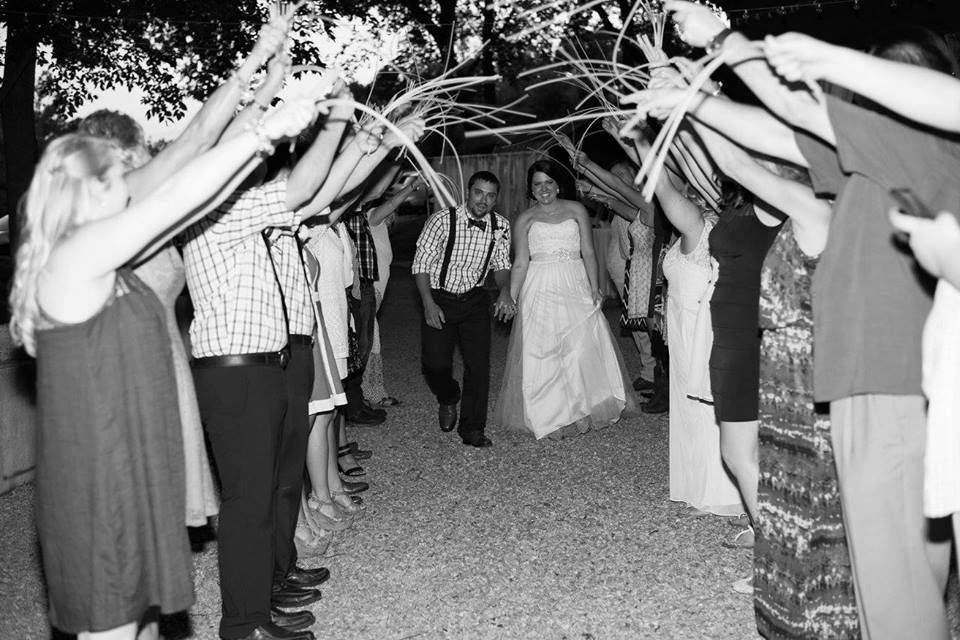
(451, 241)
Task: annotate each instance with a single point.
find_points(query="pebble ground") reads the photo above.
(568, 540)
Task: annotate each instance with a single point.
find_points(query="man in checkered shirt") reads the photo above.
(455, 251)
(253, 372)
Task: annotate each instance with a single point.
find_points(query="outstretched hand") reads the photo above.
(290, 119)
(797, 57)
(272, 37)
(697, 23)
(412, 127)
(933, 242)
(657, 103)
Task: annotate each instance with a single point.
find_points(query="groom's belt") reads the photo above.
(459, 297)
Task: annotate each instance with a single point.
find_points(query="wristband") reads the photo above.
(717, 41)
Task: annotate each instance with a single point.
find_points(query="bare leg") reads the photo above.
(126, 632)
(318, 454)
(336, 435)
(150, 631)
(349, 462)
(318, 466)
(738, 448)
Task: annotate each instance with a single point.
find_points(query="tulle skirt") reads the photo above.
(564, 373)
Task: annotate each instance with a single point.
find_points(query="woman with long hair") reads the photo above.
(110, 475)
(564, 373)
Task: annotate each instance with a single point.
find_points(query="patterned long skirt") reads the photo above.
(803, 587)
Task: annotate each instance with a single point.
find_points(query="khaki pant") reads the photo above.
(899, 572)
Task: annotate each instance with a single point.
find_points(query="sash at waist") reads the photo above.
(559, 255)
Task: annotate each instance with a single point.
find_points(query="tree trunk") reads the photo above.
(16, 113)
(488, 35)
(445, 35)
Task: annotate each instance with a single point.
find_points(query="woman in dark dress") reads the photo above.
(110, 486)
(739, 243)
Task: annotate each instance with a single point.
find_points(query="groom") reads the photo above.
(455, 250)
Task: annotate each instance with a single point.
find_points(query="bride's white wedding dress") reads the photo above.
(563, 367)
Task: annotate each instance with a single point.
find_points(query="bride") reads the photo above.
(564, 373)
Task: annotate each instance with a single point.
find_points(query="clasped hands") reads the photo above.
(504, 308)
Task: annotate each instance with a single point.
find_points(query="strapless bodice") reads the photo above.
(552, 242)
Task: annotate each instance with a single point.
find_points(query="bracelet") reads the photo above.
(714, 45)
(264, 143)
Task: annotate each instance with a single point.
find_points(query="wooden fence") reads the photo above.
(510, 168)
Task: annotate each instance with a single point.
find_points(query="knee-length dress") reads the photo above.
(697, 474)
(802, 581)
(110, 472)
(738, 243)
(164, 273)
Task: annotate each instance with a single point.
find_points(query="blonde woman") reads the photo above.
(110, 475)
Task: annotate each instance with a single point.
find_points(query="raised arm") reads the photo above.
(810, 215)
(752, 127)
(701, 28)
(360, 155)
(382, 211)
(683, 214)
(924, 95)
(98, 248)
(312, 170)
(209, 123)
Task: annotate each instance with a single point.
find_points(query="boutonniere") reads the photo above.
(499, 235)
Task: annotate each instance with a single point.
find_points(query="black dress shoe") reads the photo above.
(351, 488)
(447, 416)
(365, 417)
(292, 620)
(287, 596)
(307, 578)
(479, 441)
(270, 631)
(657, 405)
(641, 384)
(372, 409)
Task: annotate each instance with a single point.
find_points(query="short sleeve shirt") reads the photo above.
(870, 300)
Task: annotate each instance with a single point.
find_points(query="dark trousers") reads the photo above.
(467, 325)
(364, 312)
(243, 410)
(292, 456)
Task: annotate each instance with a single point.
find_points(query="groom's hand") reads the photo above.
(433, 314)
(504, 308)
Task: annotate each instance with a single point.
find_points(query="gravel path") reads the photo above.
(557, 540)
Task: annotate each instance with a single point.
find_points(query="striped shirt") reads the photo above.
(236, 299)
(465, 270)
